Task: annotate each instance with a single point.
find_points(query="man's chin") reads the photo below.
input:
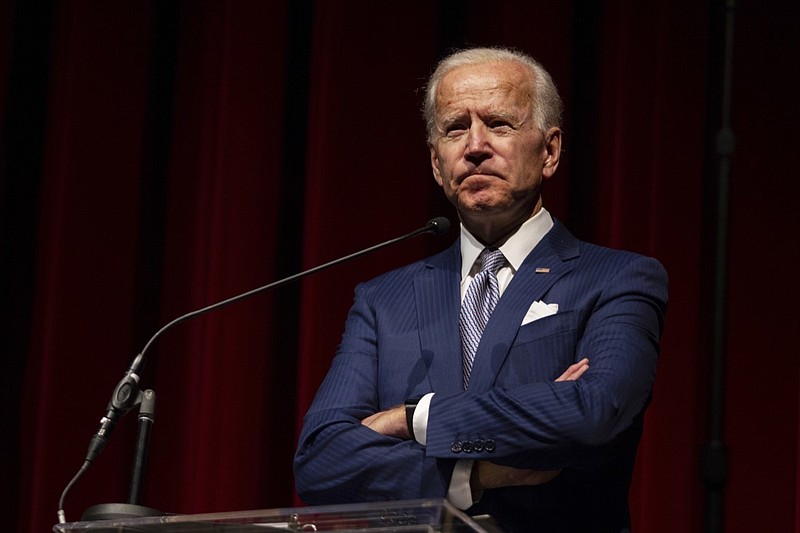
(480, 209)
(481, 202)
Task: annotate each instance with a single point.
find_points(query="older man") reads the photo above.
(509, 373)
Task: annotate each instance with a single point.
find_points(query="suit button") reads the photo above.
(467, 447)
(489, 445)
(478, 445)
(455, 447)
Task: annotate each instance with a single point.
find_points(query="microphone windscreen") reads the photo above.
(438, 225)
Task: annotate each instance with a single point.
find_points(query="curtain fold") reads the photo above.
(215, 374)
(82, 323)
(369, 175)
(762, 357)
(649, 166)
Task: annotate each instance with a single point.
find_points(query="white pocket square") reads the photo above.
(539, 310)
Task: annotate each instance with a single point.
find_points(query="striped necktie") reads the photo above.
(479, 302)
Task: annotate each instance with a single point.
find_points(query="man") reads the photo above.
(536, 418)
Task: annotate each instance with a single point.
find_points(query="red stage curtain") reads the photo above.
(761, 402)
(215, 375)
(169, 181)
(646, 156)
(82, 327)
(368, 175)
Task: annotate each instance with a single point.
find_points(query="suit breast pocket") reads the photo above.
(542, 350)
(548, 326)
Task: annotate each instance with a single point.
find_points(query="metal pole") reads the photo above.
(715, 455)
(147, 413)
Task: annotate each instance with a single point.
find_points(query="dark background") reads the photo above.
(157, 156)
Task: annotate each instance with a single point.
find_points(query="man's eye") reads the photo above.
(455, 128)
(499, 124)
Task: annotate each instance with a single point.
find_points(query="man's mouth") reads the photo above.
(477, 180)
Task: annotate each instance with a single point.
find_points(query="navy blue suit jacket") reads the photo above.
(401, 340)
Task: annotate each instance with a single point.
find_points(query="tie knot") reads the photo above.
(492, 260)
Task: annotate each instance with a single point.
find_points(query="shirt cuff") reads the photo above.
(420, 420)
(459, 492)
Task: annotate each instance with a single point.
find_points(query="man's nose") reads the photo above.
(478, 147)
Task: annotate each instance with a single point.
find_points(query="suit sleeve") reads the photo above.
(339, 460)
(544, 425)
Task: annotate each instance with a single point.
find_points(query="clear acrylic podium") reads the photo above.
(401, 516)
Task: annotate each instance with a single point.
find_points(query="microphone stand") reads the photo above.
(147, 415)
(132, 509)
(714, 462)
(127, 394)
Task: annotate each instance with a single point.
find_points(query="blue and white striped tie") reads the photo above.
(479, 302)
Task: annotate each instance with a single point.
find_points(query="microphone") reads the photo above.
(438, 226)
(127, 394)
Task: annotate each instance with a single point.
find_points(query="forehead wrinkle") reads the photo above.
(485, 114)
(510, 109)
(495, 93)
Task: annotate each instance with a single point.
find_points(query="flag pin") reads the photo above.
(542, 270)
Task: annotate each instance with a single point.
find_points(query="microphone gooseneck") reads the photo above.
(127, 394)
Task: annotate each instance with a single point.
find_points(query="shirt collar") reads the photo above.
(515, 249)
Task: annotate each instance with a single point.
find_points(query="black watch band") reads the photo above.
(411, 407)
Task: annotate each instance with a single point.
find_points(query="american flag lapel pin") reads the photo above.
(542, 270)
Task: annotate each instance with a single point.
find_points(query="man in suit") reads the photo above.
(509, 373)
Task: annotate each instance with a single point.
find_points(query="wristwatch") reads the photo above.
(411, 406)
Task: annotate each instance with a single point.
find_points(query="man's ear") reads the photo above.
(437, 172)
(552, 146)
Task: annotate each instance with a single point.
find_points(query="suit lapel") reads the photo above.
(437, 296)
(546, 264)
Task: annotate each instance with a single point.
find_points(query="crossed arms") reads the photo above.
(351, 449)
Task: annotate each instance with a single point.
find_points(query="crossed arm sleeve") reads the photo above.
(338, 459)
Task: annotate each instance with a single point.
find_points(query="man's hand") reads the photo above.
(574, 371)
(391, 422)
(486, 475)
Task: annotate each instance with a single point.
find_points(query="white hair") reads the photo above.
(545, 102)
